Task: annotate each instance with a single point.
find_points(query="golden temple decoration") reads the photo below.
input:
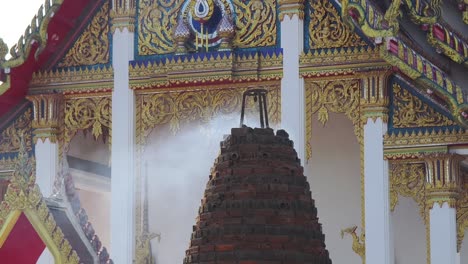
(92, 47)
(47, 115)
(123, 15)
(410, 111)
(256, 23)
(408, 180)
(338, 96)
(76, 81)
(24, 197)
(462, 215)
(174, 107)
(156, 19)
(339, 61)
(359, 242)
(289, 8)
(327, 30)
(210, 69)
(88, 113)
(444, 183)
(10, 137)
(427, 137)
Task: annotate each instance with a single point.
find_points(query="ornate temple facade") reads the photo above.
(111, 112)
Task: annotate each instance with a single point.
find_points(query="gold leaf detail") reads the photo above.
(256, 23)
(156, 20)
(10, 137)
(410, 111)
(92, 47)
(327, 30)
(87, 113)
(408, 180)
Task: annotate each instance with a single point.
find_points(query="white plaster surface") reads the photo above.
(46, 165)
(443, 234)
(334, 177)
(379, 244)
(292, 87)
(123, 137)
(409, 233)
(464, 249)
(87, 148)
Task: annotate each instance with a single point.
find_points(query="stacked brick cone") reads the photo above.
(257, 207)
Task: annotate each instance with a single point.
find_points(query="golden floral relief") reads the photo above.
(182, 106)
(10, 138)
(92, 47)
(88, 113)
(327, 29)
(410, 111)
(408, 180)
(256, 23)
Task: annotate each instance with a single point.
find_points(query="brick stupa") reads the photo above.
(257, 207)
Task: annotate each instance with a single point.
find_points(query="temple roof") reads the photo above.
(51, 31)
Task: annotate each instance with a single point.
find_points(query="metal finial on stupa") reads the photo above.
(259, 95)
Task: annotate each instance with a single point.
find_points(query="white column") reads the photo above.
(123, 140)
(443, 233)
(46, 153)
(379, 244)
(292, 85)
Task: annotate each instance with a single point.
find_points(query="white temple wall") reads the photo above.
(464, 249)
(409, 233)
(335, 181)
(87, 148)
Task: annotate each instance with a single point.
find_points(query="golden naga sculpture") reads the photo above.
(359, 246)
(429, 15)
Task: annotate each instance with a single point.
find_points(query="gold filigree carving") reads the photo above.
(327, 30)
(156, 19)
(180, 106)
(410, 111)
(289, 8)
(427, 137)
(256, 23)
(408, 180)
(10, 137)
(92, 47)
(359, 242)
(338, 96)
(462, 215)
(123, 15)
(24, 197)
(88, 113)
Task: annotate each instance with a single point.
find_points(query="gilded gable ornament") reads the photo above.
(10, 137)
(92, 47)
(410, 111)
(327, 29)
(203, 25)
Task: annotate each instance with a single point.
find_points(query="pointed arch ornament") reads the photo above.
(23, 197)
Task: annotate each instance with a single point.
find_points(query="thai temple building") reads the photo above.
(112, 113)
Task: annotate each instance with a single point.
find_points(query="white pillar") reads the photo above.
(379, 244)
(292, 85)
(46, 165)
(443, 233)
(123, 140)
(443, 189)
(46, 122)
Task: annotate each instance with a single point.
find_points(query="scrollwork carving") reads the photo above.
(327, 29)
(408, 180)
(410, 111)
(256, 23)
(92, 47)
(88, 113)
(10, 138)
(175, 107)
(338, 96)
(156, 19)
